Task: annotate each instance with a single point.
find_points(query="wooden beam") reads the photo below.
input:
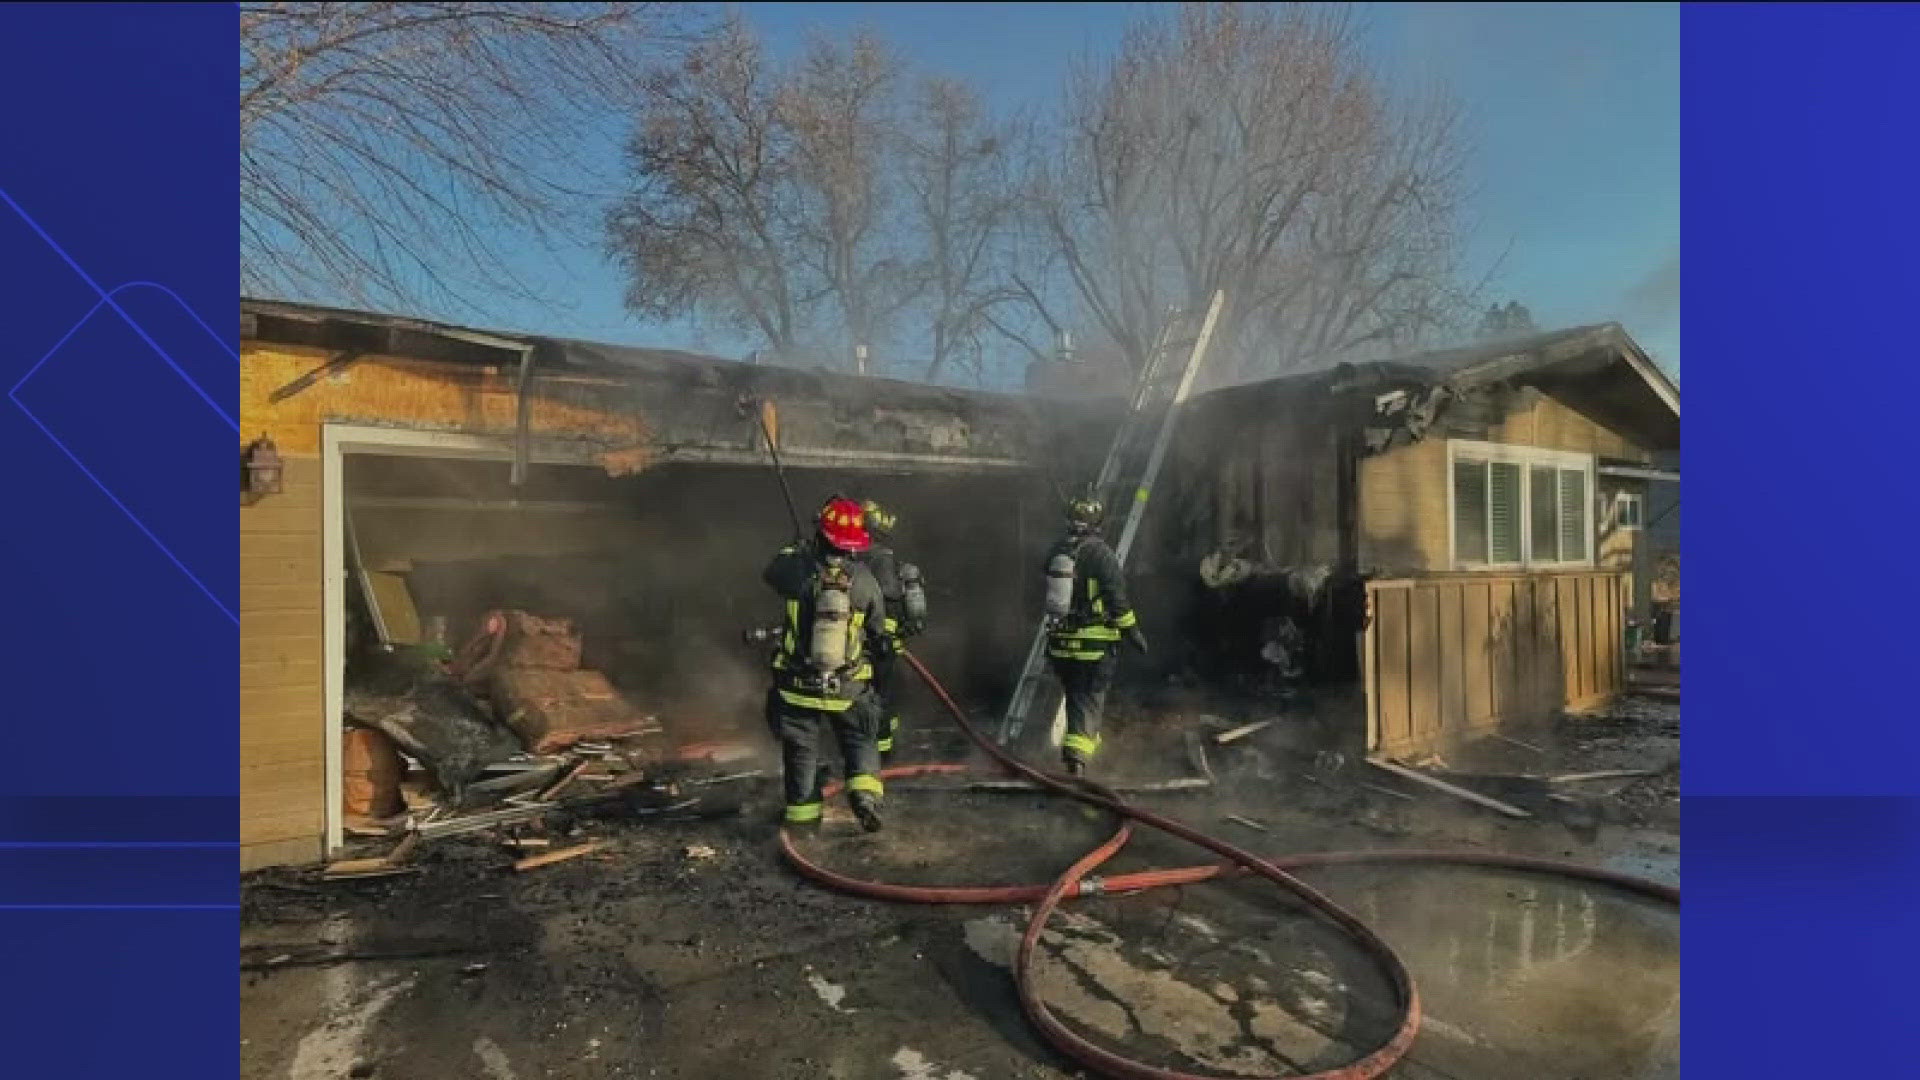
(1240, 732)
(1417, 777)
(1607, 774)
(533, 862)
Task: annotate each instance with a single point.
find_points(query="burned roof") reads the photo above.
(1597, 369)
(689, 400)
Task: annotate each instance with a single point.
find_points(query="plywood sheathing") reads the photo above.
(430, 395)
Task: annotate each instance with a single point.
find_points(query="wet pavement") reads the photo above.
(658, 959)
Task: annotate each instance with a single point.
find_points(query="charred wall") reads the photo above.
(1247, 528)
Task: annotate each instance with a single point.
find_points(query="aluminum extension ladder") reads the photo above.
(1132, 463)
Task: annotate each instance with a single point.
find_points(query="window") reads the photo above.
(1519, 506)
(1628, 511)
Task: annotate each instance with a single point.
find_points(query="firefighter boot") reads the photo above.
(866, 807)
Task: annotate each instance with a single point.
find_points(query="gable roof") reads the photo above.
(1598, 370)
(1580, 349)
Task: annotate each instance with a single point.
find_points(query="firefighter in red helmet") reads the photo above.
(834, 626)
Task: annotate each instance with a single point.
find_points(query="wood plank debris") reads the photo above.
(349, 869)
(728, 778)
(571, 773)
(404, 849)
(357, 866)
(534, 862)
(1437, 784)
(1240, 732)
(433, 830)
(1518, 743)
(519, 780)
(1197, 754)
(1605, 774)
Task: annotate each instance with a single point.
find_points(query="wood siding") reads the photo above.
(282, 728)
(1456, 656)
(1404, 526)
(1403, 508)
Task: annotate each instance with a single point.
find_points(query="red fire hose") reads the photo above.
(1076, 882)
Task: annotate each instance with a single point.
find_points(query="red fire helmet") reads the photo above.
(844, 525)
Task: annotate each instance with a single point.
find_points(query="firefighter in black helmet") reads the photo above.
(823, 668)
(906, 603)
(1088, 615)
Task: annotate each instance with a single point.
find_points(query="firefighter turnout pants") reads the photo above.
(1085, 684)
(886, 688)
(803, 732)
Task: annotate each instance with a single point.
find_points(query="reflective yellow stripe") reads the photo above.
(1127, 621)
(793, 626)
(891, 625)
(1096, 633)
(1140, 493)
(885, 745)
(795, 697)
(854, 635)
(1084, 745)
(870, 785)
(1078, 654)
(801, 813)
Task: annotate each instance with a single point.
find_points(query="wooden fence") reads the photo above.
(1462, 654)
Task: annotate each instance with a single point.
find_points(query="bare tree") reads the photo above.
(764, 200)
(958, 168)
(1376, 268)
(711, 225)
(839, 109)
(391, 152)
(1248, 148)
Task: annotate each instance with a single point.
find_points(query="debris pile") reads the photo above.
(529, 667)
(508, 732)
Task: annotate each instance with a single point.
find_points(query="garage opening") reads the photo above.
(631, 594)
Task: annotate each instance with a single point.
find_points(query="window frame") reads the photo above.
(1635, 499)
(1526, 457)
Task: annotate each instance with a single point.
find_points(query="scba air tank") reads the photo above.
(915, 593)
(832, 613)
(1060, 570)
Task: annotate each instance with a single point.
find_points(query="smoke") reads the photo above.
(1650, 311)
(660, 572)
(1653, 303)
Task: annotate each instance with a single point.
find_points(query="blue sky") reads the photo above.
(1573, 109)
